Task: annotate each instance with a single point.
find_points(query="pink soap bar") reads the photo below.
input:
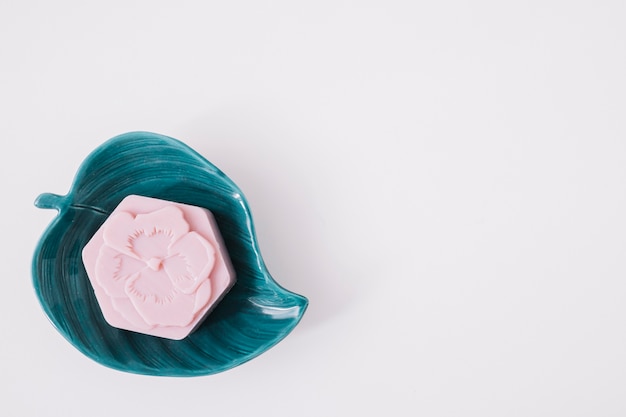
(158, 267)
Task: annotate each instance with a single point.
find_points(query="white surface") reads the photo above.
(445, 182)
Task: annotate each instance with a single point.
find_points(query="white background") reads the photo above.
(445, 181)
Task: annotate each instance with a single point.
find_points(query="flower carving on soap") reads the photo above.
(156, 262)
(157, 267)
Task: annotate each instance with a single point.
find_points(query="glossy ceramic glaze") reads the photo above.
(255, 314)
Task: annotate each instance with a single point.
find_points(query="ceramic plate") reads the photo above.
(255, 314)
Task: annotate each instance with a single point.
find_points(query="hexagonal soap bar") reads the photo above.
(158, 267)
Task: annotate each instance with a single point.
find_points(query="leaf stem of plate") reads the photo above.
(50, 201)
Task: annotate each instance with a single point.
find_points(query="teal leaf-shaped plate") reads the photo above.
(255, 314)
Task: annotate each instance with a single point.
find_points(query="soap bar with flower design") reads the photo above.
(157, 267)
